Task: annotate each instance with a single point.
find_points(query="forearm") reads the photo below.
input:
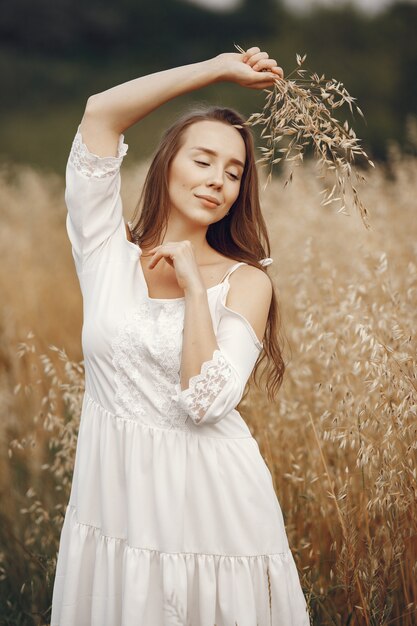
(199, 340)
(228, 358)
(125, 104)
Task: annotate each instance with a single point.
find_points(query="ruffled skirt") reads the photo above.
(166, 528)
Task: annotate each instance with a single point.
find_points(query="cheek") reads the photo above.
(234, 192)
(175, 185)
(180, 179)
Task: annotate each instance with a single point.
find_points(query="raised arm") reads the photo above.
(111, 112)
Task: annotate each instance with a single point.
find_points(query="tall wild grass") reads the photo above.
(340, 441)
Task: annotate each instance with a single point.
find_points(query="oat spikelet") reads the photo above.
(301, 110)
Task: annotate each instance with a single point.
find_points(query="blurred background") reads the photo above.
(55, 53)
(340, 441)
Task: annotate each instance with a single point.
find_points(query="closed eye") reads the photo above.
(234, 177)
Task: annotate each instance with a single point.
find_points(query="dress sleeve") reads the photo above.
(92, 196)
(219, 386)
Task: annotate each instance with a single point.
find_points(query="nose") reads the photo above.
(215, 179)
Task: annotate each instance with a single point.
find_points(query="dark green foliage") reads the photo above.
(54, 53)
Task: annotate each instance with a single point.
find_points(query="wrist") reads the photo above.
(215, 68)
(196, 293)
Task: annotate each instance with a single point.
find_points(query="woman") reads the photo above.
(172, 517)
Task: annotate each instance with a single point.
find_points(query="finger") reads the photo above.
(249, 52)
(156, 257)
(278, 70)
(262, 86)
(263, 75)
(265, 81)
(257, 57)
(264, 64)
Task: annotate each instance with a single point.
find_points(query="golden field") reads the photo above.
(340, 441)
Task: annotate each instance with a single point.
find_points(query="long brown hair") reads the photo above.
(240, 235)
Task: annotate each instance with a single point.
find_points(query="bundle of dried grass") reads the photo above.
(301, 108)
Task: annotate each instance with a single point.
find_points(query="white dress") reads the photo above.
(172, 518)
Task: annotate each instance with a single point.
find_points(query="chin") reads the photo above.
(204, 217)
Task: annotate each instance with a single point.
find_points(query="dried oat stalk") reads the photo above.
(301, 109)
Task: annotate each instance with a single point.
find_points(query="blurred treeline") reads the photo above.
(55, 53)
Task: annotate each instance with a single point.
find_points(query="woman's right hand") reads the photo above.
(253, 69)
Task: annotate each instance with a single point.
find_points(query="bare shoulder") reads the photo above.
(250, 294)
(250, 284)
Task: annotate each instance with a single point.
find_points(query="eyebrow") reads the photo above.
(214, 153)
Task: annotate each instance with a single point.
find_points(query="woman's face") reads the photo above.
(209, 163)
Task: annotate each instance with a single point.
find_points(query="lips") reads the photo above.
(210, 199)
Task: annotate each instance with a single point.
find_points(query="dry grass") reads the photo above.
(299, 112)
(340, 441)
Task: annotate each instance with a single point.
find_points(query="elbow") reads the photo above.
(91, 114)
(216, 408)
(93, 106)
(212, 393)
(210, 417)
(99, 112)
(96, 116)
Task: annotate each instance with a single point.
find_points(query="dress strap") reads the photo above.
(265, 262)
(232, 269)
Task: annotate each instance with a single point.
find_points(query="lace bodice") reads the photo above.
(146, 365)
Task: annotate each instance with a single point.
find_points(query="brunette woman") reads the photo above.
(172, 517)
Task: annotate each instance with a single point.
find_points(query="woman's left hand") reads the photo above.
(180, 255)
